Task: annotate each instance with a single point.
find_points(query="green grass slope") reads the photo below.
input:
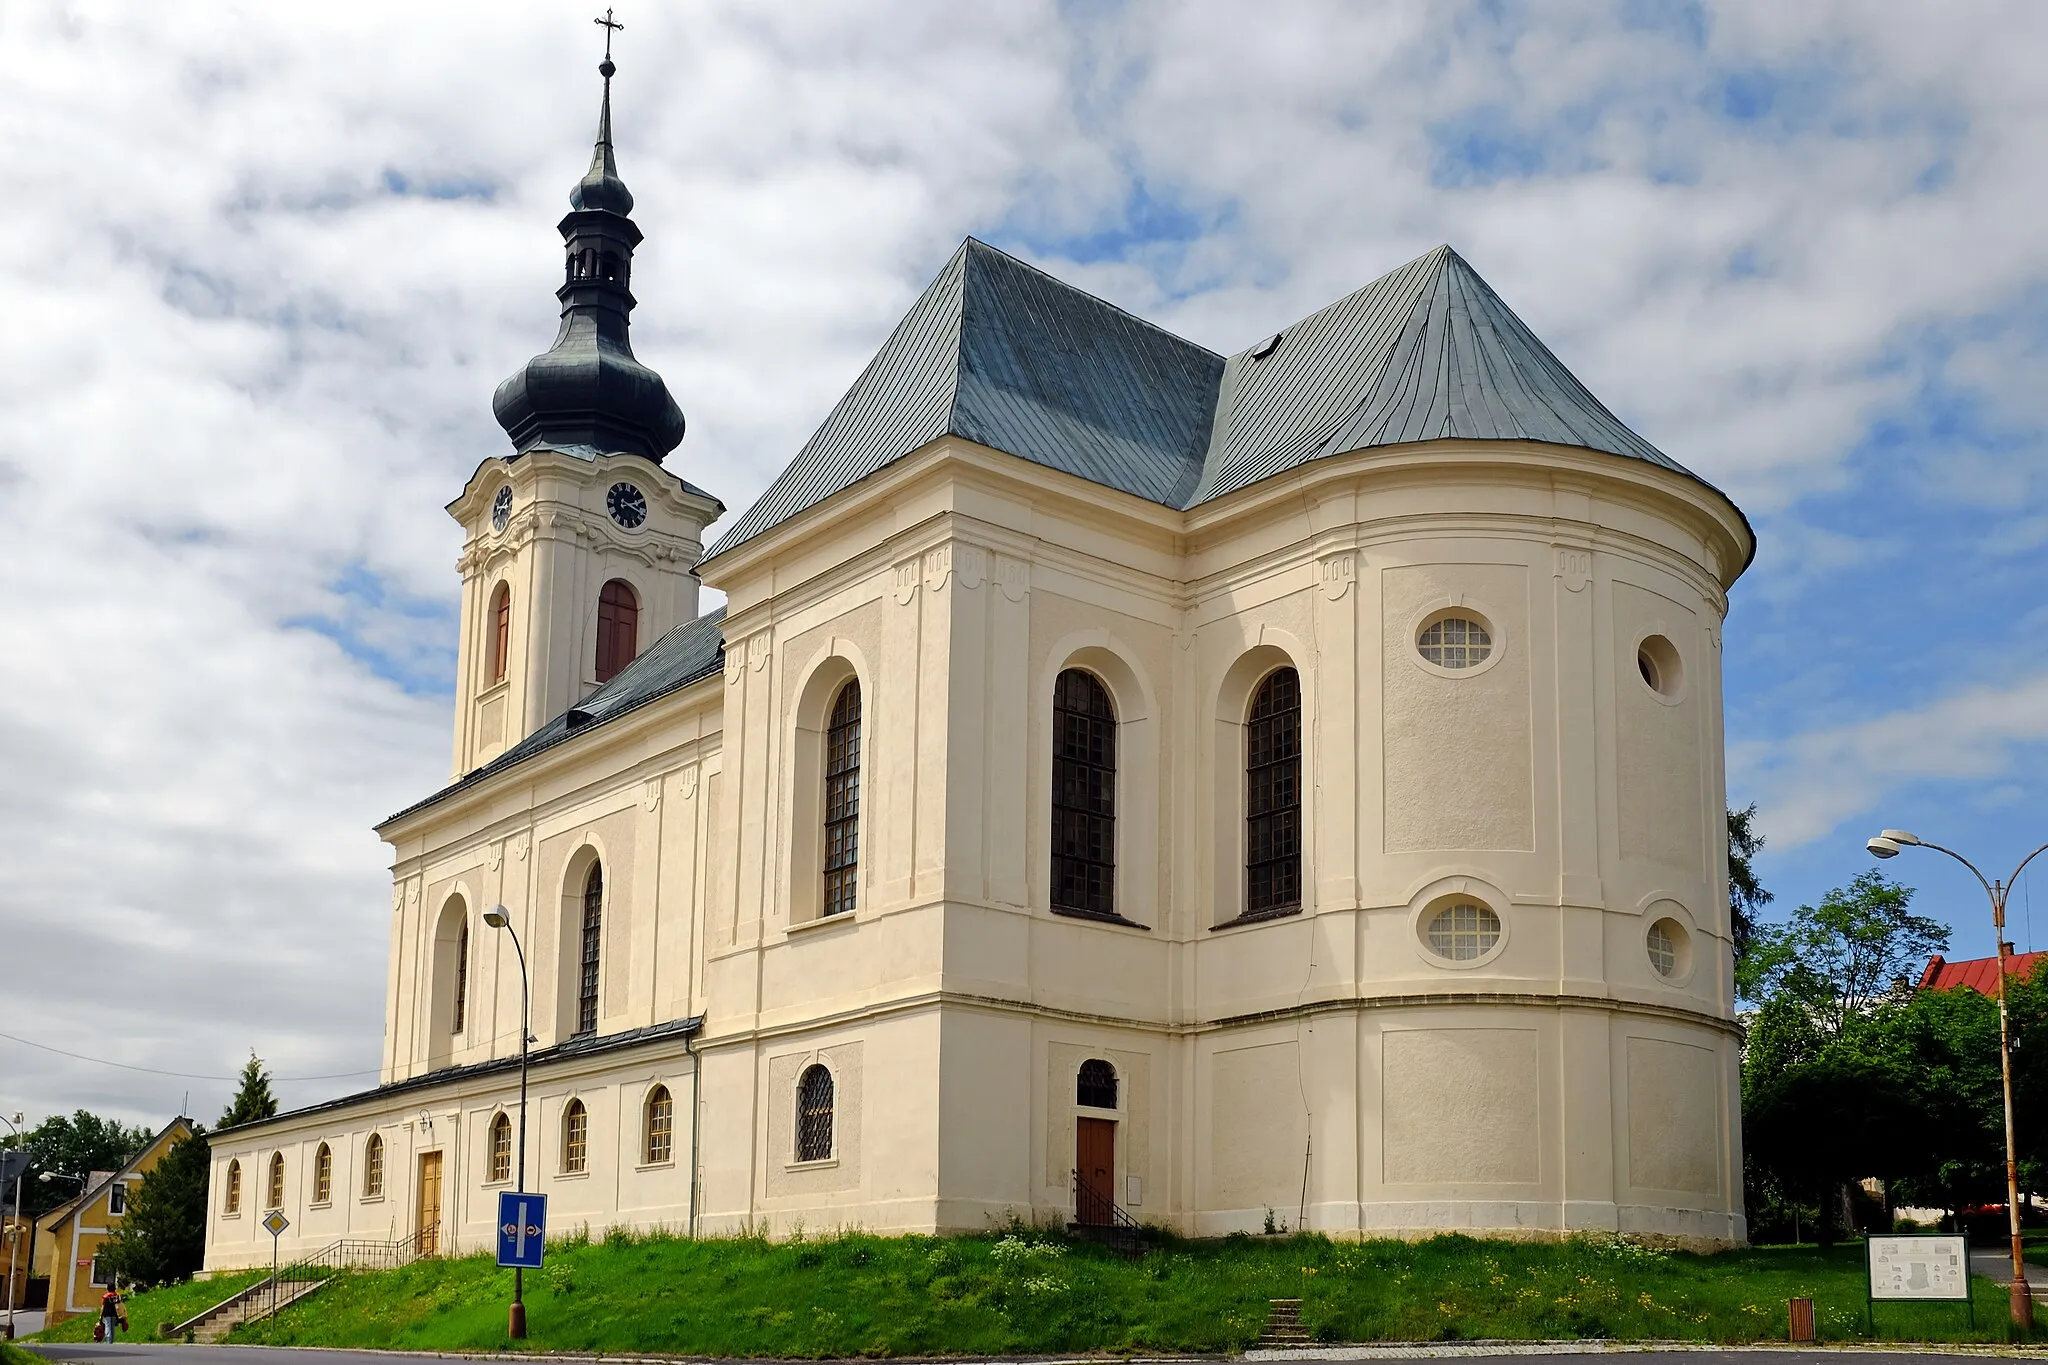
(1029, 1293)
(172, 1304)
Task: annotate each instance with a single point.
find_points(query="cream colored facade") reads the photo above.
(1326, 1068)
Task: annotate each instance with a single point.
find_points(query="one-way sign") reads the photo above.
(522, 1229)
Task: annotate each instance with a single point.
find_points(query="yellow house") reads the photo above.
(67, 1250)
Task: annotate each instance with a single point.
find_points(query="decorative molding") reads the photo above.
(1339, 572)
(938, 567)
(686, 782)
(495, 857)
(521, 844)
(757, 650)
(735, 662)
(970, 565)
(650, 794)
(1574, 567)
(1014, 575)
(907, 580)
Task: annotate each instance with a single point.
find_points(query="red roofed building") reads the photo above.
(1980, 974)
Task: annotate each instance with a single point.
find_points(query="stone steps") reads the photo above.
(1283, 1325)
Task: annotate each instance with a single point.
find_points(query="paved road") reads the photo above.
(152, 1353)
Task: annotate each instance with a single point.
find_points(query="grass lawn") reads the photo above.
(10, 1354)
(173, 1304)
(853, 1294)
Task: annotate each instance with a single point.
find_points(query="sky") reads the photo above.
(261, 267)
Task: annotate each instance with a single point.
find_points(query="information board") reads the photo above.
(1919, 1268)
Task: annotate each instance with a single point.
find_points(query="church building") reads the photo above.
(1125, 781)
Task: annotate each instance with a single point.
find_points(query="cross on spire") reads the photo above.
(610, 26)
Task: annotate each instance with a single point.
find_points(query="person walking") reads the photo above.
(111, 1314)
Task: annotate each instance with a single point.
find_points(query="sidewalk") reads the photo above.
(1997, 1265)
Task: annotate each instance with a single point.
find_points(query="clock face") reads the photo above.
(501, 507)
(627, 504)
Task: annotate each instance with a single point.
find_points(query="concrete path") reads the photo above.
(1996, 1264)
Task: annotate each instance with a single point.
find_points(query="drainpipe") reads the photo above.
(696, 1119)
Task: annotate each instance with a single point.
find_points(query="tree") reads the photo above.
(1746, 895)
(254, 1100)
(1840, 957)
(162, 1237)
(73, 1146)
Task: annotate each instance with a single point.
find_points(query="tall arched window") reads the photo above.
(593, 936)
(814, 1115)
(501, 631)
(842, 801)
(1272, 796)
(323, 1174)
(1083, 795)
(618, 628)
(575, 1138)
(273, 1195)
(233, 1203)
(373, 1167)
(461, 1010)
(501, 1148)
(661, 1122)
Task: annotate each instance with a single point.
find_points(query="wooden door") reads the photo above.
(428, 1232)
(1095, 1164)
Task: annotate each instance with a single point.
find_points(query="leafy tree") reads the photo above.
(1746, 895)
(253, 1100)
(162, 1237)
(1840, 957)
(75, 1146)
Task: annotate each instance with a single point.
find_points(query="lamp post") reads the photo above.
(13, 1228)
(1887, 845)
(497, 918)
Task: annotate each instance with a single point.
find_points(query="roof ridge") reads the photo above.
(973, 241)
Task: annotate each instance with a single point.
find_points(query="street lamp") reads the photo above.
(14, 1228)
(1887, 845)
(497, 918)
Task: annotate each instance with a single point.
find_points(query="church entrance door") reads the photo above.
(1095, 1165)
(428, 1234)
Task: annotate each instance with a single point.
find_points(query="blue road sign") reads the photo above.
(522, 1229)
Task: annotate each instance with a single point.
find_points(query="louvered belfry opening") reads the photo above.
(814, 1115)
(593, 935)
(1083, 795)
(1272, 796)
(842, 802)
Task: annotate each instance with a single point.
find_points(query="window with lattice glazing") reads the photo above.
(575, 1137)
(1083, 795)
(842, 801)
(1095, 1085)
(274, 1196)
(814, 1115)
(461, 1010)
(1272, 796)
(373, 1167)
(501, 1148)
(323, 1174)
(593, 936)
(234, 1198)
(661, 1121)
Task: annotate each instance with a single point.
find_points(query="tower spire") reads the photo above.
(587, 390)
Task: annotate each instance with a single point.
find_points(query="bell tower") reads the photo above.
(579, 549)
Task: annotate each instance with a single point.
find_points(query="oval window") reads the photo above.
(1668, 948)
(1455, 642)
(1463, 931)
(1658, 662)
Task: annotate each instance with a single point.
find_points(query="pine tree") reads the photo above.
(162, 1237)
(254, 1100)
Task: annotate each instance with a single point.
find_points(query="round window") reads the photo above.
(1463, 931)
(1455, 642)
(1657, 660)
(1667, 945)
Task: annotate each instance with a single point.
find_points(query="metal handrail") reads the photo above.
(1125, 1230)
(266, 1296)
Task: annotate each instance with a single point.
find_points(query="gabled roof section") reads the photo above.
(1979, 974)
(1005, 355)
(1426, 352)
(684, 654)
(176, 1131)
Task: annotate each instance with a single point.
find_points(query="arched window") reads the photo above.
(661, 1120)
(501, 1148)
(1083, 795)
(593, 926)
(618, 628)
(273, 1196)
(323, 1174)
(842, 801)
(461, 1010)
(575, 1138)
(373, 1167)
(814, 1115)
(501, 631)
(234, 1198)
(1272, 796)
(1095, 1086)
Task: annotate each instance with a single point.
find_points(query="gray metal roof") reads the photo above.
(684, 654)
(1005, 355)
